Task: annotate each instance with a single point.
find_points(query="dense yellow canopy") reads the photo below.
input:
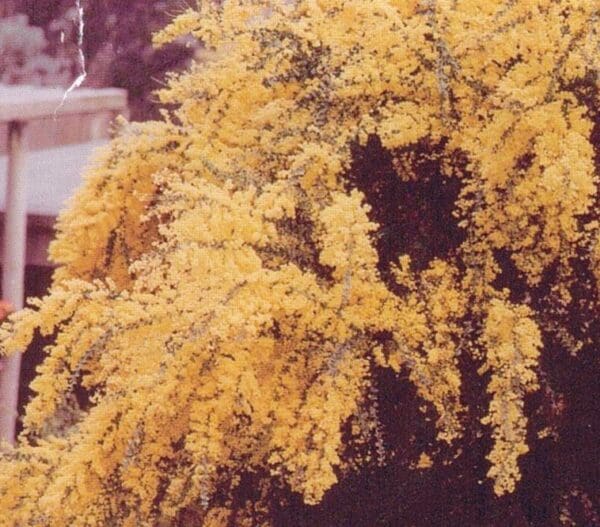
(218, 292)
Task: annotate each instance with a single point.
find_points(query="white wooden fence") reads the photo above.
(34, 184)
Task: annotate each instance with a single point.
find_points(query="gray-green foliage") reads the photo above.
(23, 56)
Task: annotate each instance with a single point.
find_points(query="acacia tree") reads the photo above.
(321, 206)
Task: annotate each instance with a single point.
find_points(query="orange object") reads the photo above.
(6, 309)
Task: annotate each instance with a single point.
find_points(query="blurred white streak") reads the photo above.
(82, 76)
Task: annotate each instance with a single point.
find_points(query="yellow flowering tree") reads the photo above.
(346, 187)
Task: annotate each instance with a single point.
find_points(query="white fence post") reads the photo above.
(13, 270)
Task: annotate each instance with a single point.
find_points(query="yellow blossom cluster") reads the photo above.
(512, 342)
(218, 296)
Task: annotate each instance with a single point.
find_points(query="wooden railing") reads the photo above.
(23, 108)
